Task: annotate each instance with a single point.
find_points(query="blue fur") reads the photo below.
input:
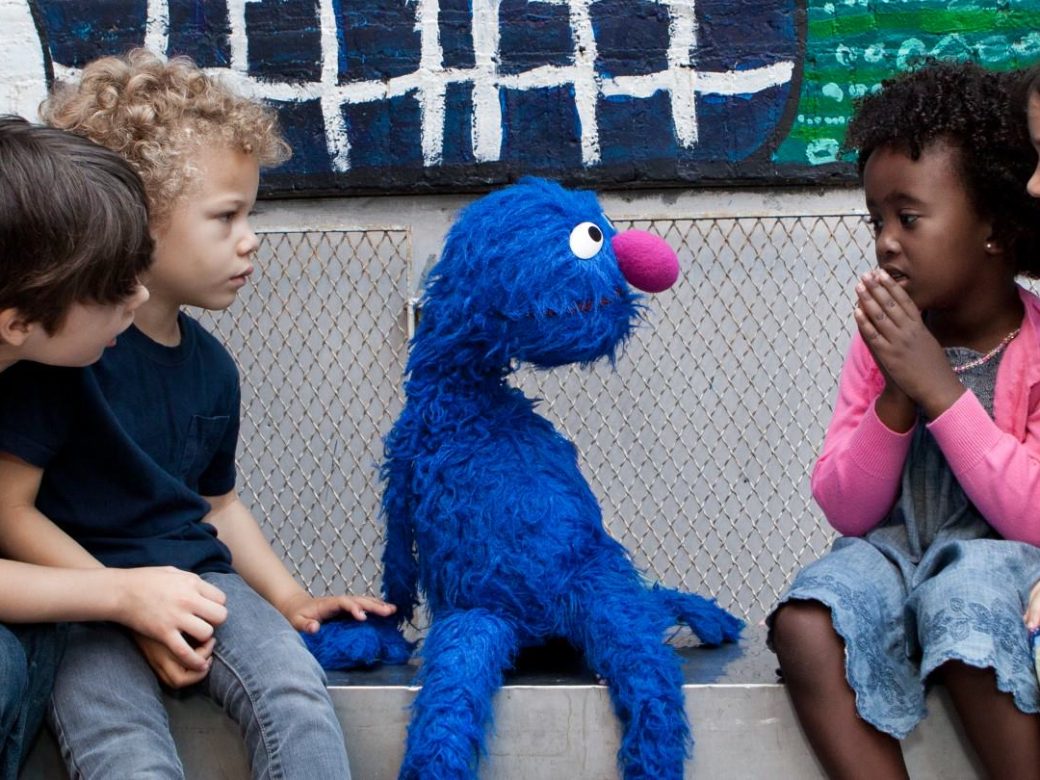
(487, 512)
(350, 644)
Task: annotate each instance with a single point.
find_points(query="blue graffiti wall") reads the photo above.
(423, 95)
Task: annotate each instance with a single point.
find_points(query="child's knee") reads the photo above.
(800, 626)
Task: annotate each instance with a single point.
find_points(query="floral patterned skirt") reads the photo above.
(900, 620)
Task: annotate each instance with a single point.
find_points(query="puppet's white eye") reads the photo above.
(586, 240)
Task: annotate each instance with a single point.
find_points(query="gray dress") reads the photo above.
(934, 582)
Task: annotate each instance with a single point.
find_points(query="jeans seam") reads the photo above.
(259, 713)
(67, 753)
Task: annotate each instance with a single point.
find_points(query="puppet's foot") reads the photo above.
(464, 656)
(710, 622)
(346, 644)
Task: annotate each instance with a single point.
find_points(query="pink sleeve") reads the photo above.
(857, 477)
(999, 473)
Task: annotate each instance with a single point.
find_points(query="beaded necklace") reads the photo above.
(988, 356)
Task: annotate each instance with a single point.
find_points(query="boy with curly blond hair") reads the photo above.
(138, 468)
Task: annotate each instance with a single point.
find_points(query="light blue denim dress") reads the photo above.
(933, 583)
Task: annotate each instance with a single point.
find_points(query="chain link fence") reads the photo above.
(698, 445)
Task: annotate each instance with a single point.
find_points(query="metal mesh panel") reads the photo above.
(321, 340)
(698, 444)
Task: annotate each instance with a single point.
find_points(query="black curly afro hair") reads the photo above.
(974, 111)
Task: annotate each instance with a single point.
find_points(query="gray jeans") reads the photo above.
(108, 714)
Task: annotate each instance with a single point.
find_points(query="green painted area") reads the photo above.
(852, 45)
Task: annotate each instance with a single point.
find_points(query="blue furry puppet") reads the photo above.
(487, 512)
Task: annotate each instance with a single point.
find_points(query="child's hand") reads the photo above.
(171, 607)
(1032, 616)
(168, 667)
(902, 345)
(307, 612)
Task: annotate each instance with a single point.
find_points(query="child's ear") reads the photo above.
(14, 328)
(994, 246)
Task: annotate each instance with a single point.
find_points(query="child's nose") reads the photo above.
(1033, 185)
(886, 243)
(249, 243)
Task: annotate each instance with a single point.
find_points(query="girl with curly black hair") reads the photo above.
(931, 463)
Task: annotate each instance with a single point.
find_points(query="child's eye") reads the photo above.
(907, 219)
(875, 224)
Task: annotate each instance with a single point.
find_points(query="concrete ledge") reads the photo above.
(562, 726)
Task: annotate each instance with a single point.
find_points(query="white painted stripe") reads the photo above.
(586, 80)
(238, 41)
(432, 89)
(487, 110)
(157, 27)
(336, 138)
(745, 82)
(23, 76)
(730, 82)
(682, 38)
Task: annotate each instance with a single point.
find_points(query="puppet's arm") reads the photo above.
(400, 567)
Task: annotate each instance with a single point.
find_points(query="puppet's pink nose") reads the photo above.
(646, 260)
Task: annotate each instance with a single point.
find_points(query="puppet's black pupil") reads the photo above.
(594, 233)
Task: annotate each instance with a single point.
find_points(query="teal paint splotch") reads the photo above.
(852, 45)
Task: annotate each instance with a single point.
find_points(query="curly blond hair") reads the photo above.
(158, 114)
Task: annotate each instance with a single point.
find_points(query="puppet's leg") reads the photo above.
(464, 656)
(621, 633)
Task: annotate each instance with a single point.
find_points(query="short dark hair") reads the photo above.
(73, 223)
(974, 111)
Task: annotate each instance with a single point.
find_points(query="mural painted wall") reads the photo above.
(433, 95)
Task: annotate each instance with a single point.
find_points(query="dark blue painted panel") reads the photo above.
(532, 35)
(78, 32)
(637, 46)
(458, 121)
(735, 126)
(636, 129)
(377, 39)
(384, 133)
(456, 28)
(540, 128)
(304, 129)
(283, 37)
(200, 30)
(731, 37)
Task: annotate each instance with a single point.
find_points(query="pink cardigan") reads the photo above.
(996, 461)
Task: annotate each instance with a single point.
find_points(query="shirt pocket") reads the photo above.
(203, 439)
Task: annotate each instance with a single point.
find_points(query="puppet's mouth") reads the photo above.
(586, 306)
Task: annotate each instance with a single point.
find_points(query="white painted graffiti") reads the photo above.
(23, 74)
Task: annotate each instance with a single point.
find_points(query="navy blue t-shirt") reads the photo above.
(129, 445)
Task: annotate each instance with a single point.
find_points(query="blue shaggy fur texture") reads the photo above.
(487, 512)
